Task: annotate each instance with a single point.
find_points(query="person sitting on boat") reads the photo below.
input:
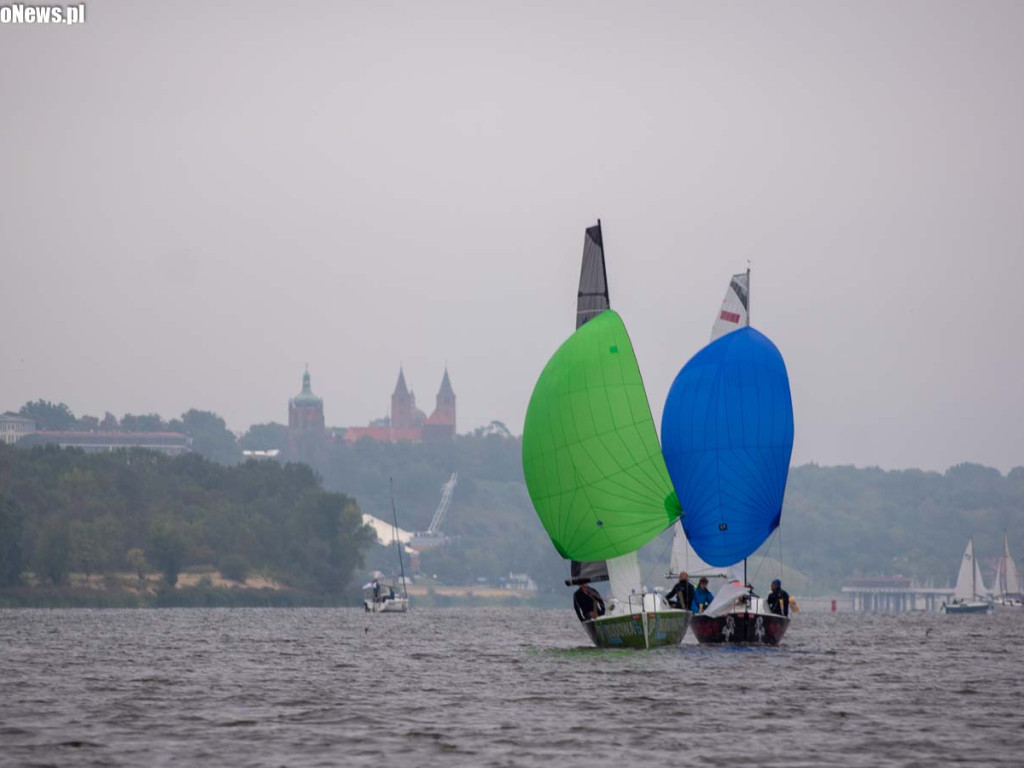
(778, 599)
(681, 595)
(702, 596)
(588, 603)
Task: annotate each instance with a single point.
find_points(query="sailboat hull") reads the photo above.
(740, 628)
(972, 606)
(653, 629)
(388, 605)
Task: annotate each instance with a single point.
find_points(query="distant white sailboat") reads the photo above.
(380, 596)
(968, 595)
(1006, 589)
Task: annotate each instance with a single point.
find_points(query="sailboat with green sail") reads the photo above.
(594, 468)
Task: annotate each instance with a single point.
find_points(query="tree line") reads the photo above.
(209, 434)
(64, 511)
(838, 522)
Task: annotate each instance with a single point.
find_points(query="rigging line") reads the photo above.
(779, 531)
(645, 576)
(763, 559)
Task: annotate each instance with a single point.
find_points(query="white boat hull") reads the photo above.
(388, 605)
(1009, 603)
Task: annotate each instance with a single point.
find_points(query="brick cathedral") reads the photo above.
(405, 422)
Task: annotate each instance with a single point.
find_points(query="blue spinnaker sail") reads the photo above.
(727, 437)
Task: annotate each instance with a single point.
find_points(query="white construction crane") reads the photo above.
(442, 507)
(433, 536)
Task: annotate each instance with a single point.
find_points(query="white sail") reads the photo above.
(624, 575)
(1009, 583)
(964, 589)
(735, 311)
(979, 583)
(969, 583)
(725, 600)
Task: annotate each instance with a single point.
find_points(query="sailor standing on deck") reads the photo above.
(682, 593)
(778, 599)
(588, 603)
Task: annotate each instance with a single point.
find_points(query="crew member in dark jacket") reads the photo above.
(681, 595)
(778, 599)
(588, 603)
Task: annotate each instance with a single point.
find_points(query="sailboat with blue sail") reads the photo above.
(594, 469)
(727, 438)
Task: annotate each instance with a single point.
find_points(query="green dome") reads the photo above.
(306, 396)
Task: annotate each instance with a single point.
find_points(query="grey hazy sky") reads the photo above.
(198, 199)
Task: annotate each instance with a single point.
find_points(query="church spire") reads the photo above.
(446, 386)
(400, 388)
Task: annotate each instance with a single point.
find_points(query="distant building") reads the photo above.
(407, 422)
(307, 434)
(170, 443)
(520, 582)
(305, 423)
(441, 424)
(13, 428)
(306, 410)
(267, 455)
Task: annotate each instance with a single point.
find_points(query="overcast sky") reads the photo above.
(198, 199)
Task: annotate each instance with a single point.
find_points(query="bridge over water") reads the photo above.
(894, 595)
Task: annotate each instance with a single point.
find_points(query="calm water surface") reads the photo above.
(499, 687)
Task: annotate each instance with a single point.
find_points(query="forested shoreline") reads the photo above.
(64, 511)
(298, 527)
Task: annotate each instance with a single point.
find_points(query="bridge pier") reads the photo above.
(893, 596)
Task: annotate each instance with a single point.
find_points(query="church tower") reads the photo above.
(441, 424)
(403, 405)
(305, 424)
(306, 410)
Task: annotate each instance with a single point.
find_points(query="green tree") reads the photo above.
(137, 561)
(150, 422)
(49, 416)
(87, 423)
(234, 568)
(11, 529)
(167, 551)
(52, 554)
(264, 437)
(210, 437)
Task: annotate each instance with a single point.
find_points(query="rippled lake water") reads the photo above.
(499, 687)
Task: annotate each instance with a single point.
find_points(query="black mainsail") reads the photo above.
(591, 300)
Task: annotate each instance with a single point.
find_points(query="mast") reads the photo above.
(748, 293)
(398, 544)
(974, 584)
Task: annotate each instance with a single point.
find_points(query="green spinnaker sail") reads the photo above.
(591, 455)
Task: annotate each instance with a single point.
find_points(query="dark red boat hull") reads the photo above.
(740, 628)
